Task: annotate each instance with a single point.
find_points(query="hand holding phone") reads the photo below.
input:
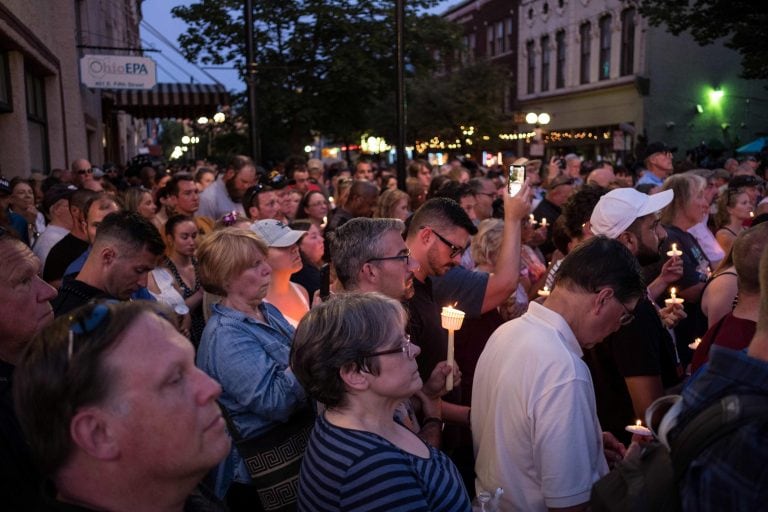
(515, 179)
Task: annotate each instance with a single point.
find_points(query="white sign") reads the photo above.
(117, 72)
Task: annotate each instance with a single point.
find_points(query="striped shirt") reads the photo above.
(352, 470)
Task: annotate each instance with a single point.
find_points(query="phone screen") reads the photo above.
(515, 179)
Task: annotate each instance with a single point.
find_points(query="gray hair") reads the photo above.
(341, 332)
(356, 242)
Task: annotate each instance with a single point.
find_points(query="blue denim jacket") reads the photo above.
(250, 360)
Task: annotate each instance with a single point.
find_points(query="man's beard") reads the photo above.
(233, 192)
(648, 255)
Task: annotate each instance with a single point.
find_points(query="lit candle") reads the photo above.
(673, 298)
(639, 429)
(674, 252)
(544, 292)
(532, 220)
(751, 214)
(451, 320)
(695, 344)
(543, 222)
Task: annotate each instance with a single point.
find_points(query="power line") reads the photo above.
(165, 40)
(171, 62)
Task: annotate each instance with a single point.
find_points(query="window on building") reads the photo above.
(37, 122)
(605, 48)
(490, 41)
(560, 69)
(585, 34)
(500, 41)
(6, 103)
(545, 57)
(510, 33)
(531, 79)
(468, 49)
(627, 66)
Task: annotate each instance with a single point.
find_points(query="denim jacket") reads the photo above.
(250, 358)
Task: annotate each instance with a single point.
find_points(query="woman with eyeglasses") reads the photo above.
(352, 355)
(734, 209)
(313, 207)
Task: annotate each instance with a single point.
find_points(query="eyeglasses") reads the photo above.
(405, 258)
(406, 347)
(455, 249)
(81, 172)
(628, 315)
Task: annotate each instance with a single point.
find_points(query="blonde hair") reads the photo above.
(485, 244)
(387, 201)
(685, 186)
(225, 254)
(726, 200)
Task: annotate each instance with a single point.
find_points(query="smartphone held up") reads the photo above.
(515, 179)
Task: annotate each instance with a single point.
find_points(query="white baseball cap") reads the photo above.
(275, 233)
(619, 208)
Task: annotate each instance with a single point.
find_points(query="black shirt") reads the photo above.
(73, 294)
(641, 348)
(19, 480)
(67, 250)
(550, 211)
(309, 277)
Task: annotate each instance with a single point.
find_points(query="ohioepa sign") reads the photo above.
(117, 72)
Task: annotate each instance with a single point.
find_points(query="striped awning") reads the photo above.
(172, 100)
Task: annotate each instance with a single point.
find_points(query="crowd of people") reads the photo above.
(204, 338)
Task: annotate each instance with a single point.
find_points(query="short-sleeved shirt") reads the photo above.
(425, 327)
(353, 470)
(730, 332)
(215, 201)
(61, 255)
(534, 422)
(644, 347)
(47, 239)
(465, 288)
(73, 294)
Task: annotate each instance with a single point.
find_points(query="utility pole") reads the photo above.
(250, 80)
(400, 92)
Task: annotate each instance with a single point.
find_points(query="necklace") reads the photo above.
(186, 290)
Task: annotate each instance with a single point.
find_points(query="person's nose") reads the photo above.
(207, 389)
(46, 292)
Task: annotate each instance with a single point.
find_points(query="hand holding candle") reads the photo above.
(451, 320)
(674, 252)
(673, 298)
(639, 429)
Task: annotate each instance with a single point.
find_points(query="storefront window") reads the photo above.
(37, 122)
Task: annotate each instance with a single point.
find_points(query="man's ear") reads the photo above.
(91, 430)
(601, 299)
(108, 255)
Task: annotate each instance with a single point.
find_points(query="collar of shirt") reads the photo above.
(553, 320)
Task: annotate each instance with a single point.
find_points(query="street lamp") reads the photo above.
(537, 120)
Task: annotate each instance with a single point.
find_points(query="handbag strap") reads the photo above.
(236, 437)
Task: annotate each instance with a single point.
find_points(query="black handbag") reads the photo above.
(273, 459)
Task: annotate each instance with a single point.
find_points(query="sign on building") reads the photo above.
(117, 72)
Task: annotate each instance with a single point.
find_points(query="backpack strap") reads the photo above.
(713, 423)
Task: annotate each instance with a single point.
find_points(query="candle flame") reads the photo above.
(674, 247)
(673, 291)
(638, 423)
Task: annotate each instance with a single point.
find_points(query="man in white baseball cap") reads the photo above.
(634, 365)
(275, 233)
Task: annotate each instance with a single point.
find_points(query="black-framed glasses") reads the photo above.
(85, 171)
(455, 249)
(406, 347)
(405, 258)
(628, 315)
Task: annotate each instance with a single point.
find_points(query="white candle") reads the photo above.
(452, 319)
(639, 429)
(674, 252)
(543, 222)
(544, 292)
(532, 220)
(695, 344)
(673, 298)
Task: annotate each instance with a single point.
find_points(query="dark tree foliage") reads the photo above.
(743, 24)
(322, 65)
